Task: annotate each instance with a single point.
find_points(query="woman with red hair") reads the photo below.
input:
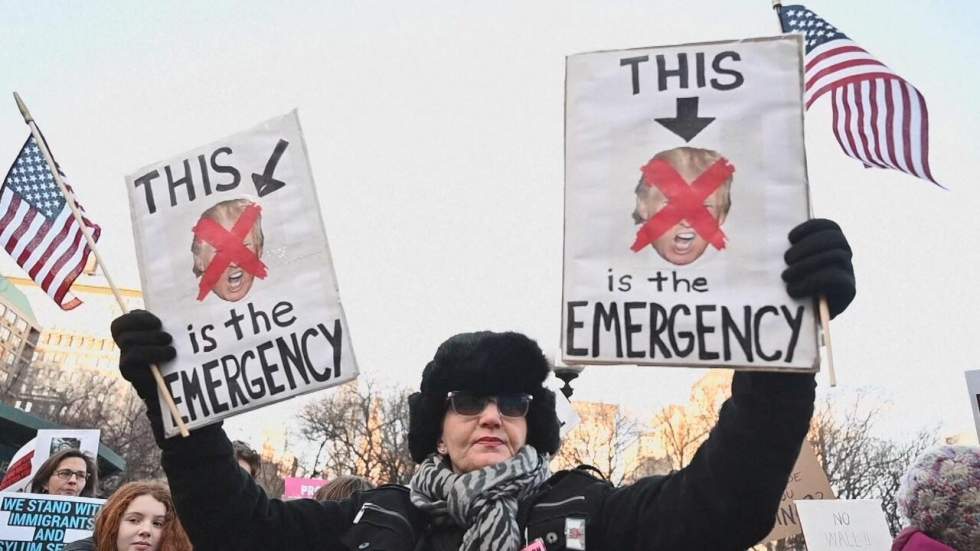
(139, 516)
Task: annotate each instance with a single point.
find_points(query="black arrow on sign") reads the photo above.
(687, 123)
(265, 183)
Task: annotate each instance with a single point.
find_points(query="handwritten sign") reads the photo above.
(234, 259)
(684, 172)
(42, 522)
(832, 525)
(807, 481)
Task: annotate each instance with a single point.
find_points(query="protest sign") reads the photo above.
(807, 481)
(43, 522)
(684, 172)
(834, 524)
(973, 386)
(234, 259)
(297, 488)
(35, 452)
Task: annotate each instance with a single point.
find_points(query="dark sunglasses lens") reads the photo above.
(513, 405)
(468, 404)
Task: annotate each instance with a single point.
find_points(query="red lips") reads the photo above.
(490, 441)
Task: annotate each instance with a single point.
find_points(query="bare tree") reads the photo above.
(360, 432)
(600, 440)
(680, 430)
(859, 463)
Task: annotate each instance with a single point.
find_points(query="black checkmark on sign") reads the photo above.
(265, 183)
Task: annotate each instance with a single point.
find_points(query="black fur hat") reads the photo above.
(486, 363)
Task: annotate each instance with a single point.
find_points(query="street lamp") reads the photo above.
(567, 373)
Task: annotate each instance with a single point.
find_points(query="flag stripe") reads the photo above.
(879, 118)
(37, 228)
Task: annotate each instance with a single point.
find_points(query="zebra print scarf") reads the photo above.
(484, 502)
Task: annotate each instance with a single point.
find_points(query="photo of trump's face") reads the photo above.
(238, 268)
(681, 243)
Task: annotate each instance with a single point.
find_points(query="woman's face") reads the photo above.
(69, 478)
(476, 441)
(141, 527)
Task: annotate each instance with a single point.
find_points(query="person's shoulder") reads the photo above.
(582, 481)
(87, 544)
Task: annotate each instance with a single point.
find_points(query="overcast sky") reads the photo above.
(435, 131)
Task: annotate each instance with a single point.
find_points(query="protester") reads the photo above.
(138, 517)
(483, 427)
(247, 458)
(70, 472)
(342, 488)
(940, 496)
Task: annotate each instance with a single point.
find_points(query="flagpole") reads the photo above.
(161, 385)
(823, 306)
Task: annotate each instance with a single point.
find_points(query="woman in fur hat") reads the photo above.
(483, 429)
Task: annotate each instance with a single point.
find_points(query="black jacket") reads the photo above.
(726, 498)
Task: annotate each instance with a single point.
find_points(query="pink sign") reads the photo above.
(302, 487)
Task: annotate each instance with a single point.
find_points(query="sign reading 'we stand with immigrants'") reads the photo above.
(234, 260)
(684, 172)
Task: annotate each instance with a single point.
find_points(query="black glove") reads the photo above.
(142, 341)
(819, 261)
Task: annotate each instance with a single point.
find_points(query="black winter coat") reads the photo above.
(726, 498)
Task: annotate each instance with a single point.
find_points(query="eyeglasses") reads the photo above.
(509, 405)
(66, 474)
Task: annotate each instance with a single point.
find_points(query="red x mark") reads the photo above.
(685, 202)
(229, 247)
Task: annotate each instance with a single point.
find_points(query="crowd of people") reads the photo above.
(483, 428)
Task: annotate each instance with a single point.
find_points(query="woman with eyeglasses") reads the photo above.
(483, 429)
(70, 472)
(139, 516)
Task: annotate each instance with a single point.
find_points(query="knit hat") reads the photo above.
(485, 363)
(940, 495)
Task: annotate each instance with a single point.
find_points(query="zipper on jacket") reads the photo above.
(557, 503)
(382, 510)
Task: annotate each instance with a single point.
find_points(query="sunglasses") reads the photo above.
(66, 474)
(509, 405)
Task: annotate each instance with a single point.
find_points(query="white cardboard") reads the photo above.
(834, 524)
(291, 336)
(752, 89)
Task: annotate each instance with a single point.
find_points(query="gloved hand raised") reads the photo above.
(142, 342)
(819, 260)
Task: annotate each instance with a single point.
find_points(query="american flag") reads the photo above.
(37, 228)
(879, 118)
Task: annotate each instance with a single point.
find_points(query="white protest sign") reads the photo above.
(43, 522)
(684, 173)
(973, 386)
(234, 259)
(807, 481)
(835, 524)
(35, 452)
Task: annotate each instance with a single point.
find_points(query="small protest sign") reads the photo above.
(684, 172)
(298, 488)
(35, 452)
(234, 259)
(807, 481)
(973, 387)
(43, 522)
(833, 524)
